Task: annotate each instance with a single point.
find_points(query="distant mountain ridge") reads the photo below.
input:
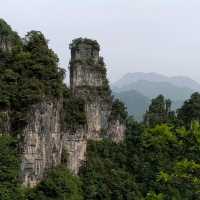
(135, 102)
(179, 81)
(152, 89)
(137, 89)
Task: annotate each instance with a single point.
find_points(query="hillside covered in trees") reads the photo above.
(158, 160)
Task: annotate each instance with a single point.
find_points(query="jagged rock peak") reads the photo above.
(76, 42)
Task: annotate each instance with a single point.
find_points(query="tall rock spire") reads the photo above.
(88, 81)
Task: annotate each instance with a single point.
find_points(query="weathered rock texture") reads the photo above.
(5, 45)
(88, 81)
(75, 145)
(5, 122)
(42, 145)
(116, 131)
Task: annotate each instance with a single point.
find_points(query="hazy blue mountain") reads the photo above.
(182, 81)
(153, 89)
(135, 102)
(137, 89)
(179, 81)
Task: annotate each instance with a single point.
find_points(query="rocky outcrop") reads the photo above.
(42, 142)
(75, 144)
(116, 131)
(88, 81)
(5, 45)
(5, 122)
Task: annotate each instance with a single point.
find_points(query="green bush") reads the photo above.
(60, 184)
(9, 169)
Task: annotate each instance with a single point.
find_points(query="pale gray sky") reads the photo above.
(160, 36)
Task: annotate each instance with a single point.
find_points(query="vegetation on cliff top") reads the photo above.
(78, 41)
(29, 73)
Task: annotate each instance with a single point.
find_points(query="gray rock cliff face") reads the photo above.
(42, 145)
(75, 144)
(5, 45)
(5, 122)
(116, 131)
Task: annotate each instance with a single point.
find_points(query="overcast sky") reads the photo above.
(160, 36)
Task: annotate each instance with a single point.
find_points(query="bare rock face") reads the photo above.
(75, 145)
(42, 144)
(5, 122)
(88, 81)
(5, 45)
(116, 131)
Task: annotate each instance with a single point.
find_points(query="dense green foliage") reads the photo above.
(60, 184)
(153, 163)
(74, 116)
(159, 112)
(118, 110)
(157, 161)
(190, 110)
(9, 169)
(28, 72)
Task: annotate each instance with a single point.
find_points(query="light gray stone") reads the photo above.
(42, 144)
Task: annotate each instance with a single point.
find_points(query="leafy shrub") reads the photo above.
(60, 184)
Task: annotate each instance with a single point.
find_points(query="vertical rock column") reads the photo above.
(87, 81)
